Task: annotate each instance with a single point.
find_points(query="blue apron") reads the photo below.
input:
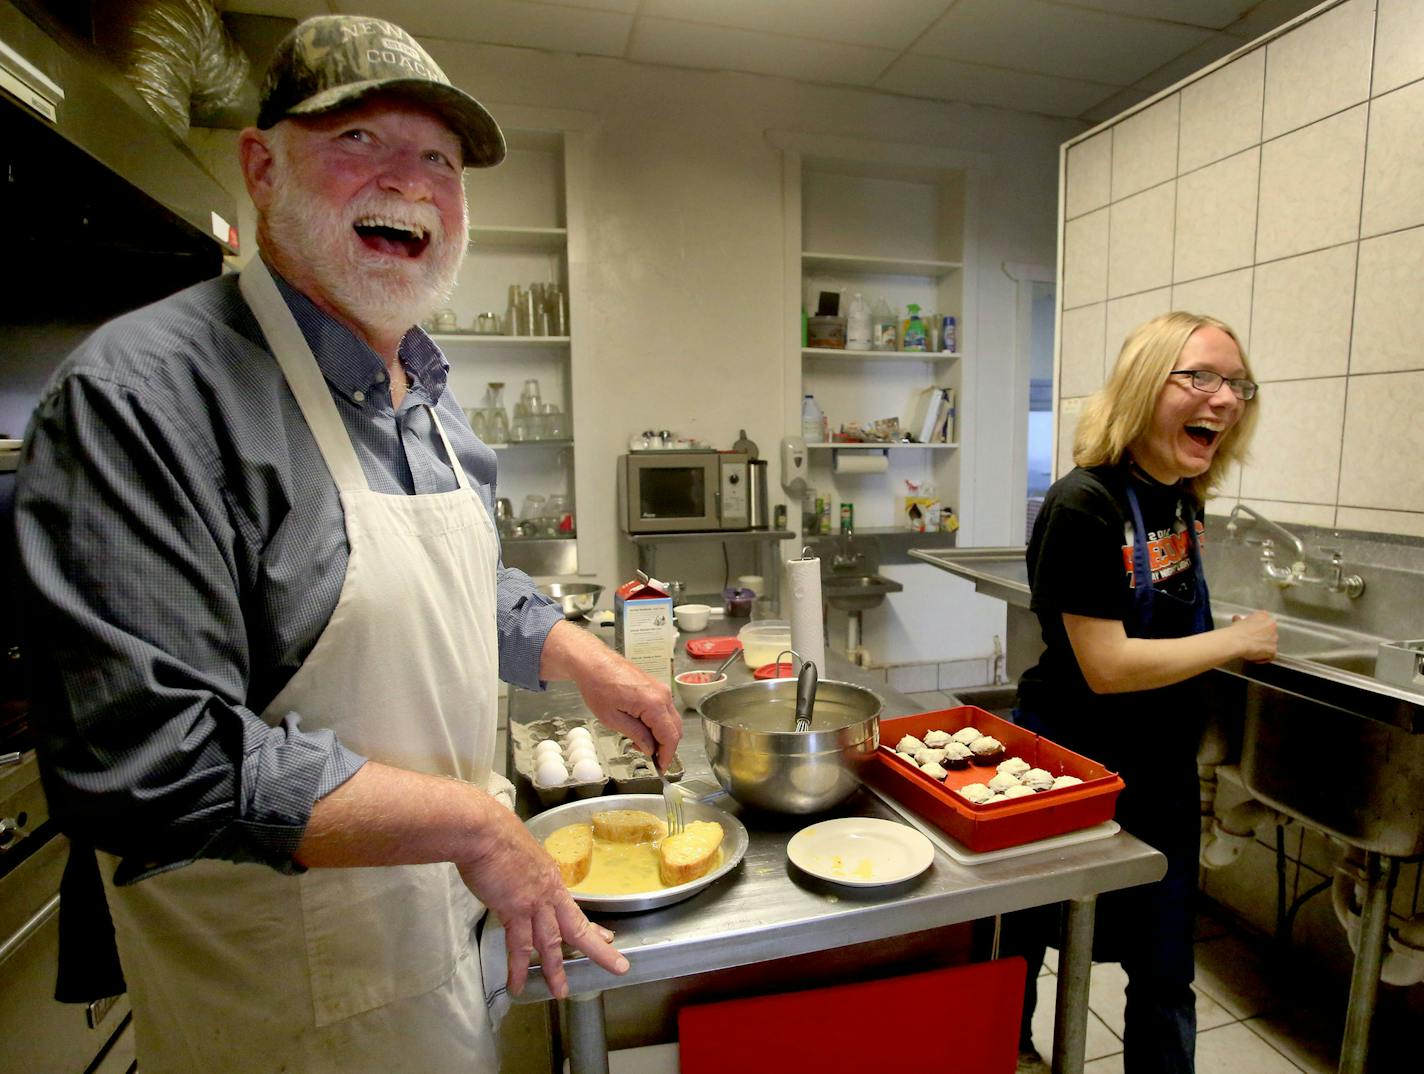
(1150, 738)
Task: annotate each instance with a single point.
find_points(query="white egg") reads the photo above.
(579, 752)
(547, 748)
(550, 773)
(587, 770)
(580, 734)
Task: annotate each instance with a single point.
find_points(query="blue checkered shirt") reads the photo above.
(184, 546)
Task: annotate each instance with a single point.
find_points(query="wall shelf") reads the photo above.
(547, 239)
(820, 263)
(838, 446)
(880, 356)
(519, 445)
(488, 339)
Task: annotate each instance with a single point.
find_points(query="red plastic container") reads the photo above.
(999, 824)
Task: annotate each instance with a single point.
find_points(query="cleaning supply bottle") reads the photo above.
(813, 421)
(949, 337)
(858, 324)
(885, 327)
(914, 331)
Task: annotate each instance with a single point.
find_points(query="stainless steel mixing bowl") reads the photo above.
(576, 598)
(760, 761)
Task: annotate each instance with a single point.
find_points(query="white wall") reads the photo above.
(685, 242)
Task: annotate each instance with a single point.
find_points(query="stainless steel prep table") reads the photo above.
(766, 909)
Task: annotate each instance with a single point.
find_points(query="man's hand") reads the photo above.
(514, 876)
(614, 690)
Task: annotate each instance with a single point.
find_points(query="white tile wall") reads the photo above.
(1399, 44)
(1140, 241)
(1216, 217)
(1310, 187)
(1221, 113)
(1295, 454)
(1089, 175)
(1300, 315)
(1085, 259)
(1145, 149)
(1394, 164)
(1389, 294)
(1319, 268)
(1081, 355)
(1319, 68)
(1226, 297)
(1384, 441)
(1125, 314)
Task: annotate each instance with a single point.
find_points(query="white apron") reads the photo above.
(237, 969)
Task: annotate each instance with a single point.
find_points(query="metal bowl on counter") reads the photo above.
(762, 762)
(576, 598)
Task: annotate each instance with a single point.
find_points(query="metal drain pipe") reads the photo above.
(1376, 878)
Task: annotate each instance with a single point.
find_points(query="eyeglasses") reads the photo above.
(1209, 381)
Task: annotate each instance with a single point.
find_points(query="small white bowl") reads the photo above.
(692, 617)
(691, 689)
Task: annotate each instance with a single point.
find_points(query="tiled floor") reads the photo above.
(1246, 1024)
(1257, 1012)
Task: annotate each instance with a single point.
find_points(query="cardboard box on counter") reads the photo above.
(642, 627)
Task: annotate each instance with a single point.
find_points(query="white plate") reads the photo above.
(860, 851)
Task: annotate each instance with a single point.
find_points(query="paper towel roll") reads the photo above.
(803, 587)
(861, 462)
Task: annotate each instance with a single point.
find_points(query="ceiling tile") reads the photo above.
(278, 9)
(1267, 15)
(1033, 35)
(947, 80)
(505, 22)
(1114, 105)
(686, 44)
(1212, 14)
(1189, 62)
(883, 24)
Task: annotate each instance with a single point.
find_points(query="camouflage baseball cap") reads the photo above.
(331, 61)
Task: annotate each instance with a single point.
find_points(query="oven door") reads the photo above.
(670, 492)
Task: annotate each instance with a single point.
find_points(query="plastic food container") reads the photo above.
(763, 641)
(999, 824)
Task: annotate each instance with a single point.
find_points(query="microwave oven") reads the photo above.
(684, 491)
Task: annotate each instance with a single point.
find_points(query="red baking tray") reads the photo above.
(998, 824)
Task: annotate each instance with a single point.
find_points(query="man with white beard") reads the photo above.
(270, 611)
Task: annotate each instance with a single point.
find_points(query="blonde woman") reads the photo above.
(1116, 575)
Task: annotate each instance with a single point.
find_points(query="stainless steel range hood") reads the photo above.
(56, 83)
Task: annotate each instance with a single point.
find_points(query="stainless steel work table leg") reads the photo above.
(1075, 967)
(587, 1034)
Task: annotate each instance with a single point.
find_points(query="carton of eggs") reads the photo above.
(577, 758)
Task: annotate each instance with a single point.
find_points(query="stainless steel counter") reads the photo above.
(767, 909)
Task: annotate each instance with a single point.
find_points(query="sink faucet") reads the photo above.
(846, 557)
(1335, 581)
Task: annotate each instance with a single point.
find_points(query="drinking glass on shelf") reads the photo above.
(556, 423)
(533, 511)
(495, 416)
(519, 427)
(561, 512)
(477, 421)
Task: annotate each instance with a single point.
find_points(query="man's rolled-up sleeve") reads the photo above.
(139, 642)
(525, 617)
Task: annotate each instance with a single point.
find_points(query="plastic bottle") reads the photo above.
(813, 421)
(949, 337)
(858, 324)
(914, 330)
(885, 329)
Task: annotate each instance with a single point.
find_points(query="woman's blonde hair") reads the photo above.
(1121, 411)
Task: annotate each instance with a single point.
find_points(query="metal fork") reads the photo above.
(672, 800)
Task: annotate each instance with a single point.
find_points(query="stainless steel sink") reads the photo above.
(856, 593)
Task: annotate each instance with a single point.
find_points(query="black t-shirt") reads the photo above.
(1080, 562)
